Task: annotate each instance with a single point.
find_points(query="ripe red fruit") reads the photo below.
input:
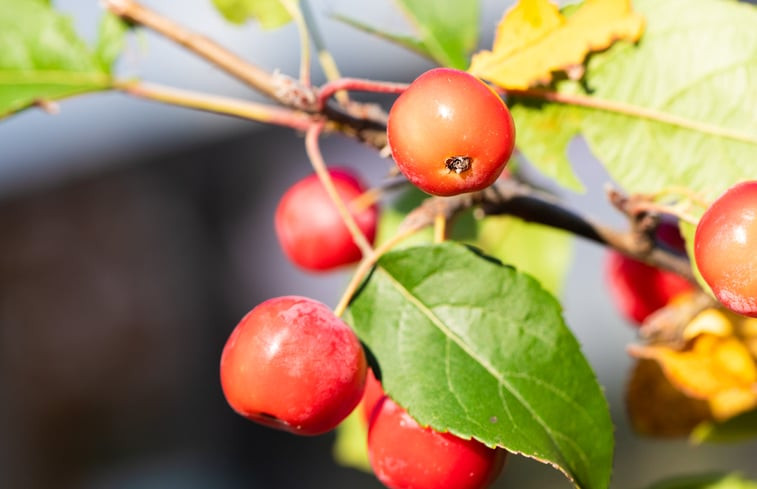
(450, 133)
(311, 231)
(291, 364)
(725, 248)
(639, 289)
(405, 455)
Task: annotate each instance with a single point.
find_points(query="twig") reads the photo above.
(316, 159)
(356, 84)
(364, 122)
(367, 263)
(258, 78)
(293, 7)
(221, 105)
(517, 199)
(440, 228)
(325, 59)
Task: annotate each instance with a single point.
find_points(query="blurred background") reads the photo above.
(133, 236)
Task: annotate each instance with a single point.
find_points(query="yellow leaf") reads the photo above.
(658, 408)
(713, 321)
(718, 369)
(534, 39)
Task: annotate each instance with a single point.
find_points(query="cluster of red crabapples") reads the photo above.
(292, 364)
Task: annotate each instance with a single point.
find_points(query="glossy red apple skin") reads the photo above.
(725, 248)
(638, 289)
(448, 113)
(405, 455)
(311, 231)
(291, 364)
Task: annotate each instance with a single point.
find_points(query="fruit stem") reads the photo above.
(325, 59)
(367, 263)
(373, 195)
(356, 84)
(221, 105)
(293, 7)
(316, 159)
(440, 227)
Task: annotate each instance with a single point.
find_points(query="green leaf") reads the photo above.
(739, 428)
(448, 28)
(706, 481)
(544, 132)
(695, 62)
(476, 348)
(543, 252)
(270, 13)
(351, 446)
(42, 58)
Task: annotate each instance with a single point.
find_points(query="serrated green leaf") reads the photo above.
(476, 348)
(739, 428)
(448, 28)
(706, 481)
(110, 40)
(351, 446)
(42, 58)
(695, 63)
(543, 252)
(269, 13)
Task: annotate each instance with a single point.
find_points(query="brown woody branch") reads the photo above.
(365, 122)
(515, 198)
(258, 78)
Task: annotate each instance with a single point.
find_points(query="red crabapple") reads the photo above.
(291, 364)
(725, 248)
(310, 229)
(639, 289)
(450, 133)
(405, 455)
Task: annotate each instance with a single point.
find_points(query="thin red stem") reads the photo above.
(316, 159)
(359, 85)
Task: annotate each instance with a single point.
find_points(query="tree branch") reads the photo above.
(258, 78)
(269, 114)
(365, 122)
(515, 198)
